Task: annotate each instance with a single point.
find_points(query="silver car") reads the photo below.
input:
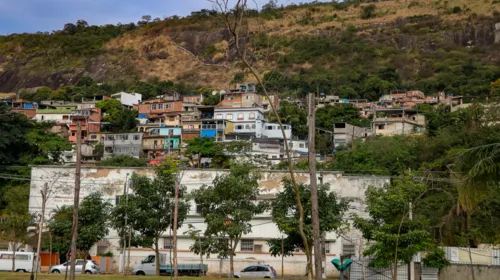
(256, 271)
(91, 267)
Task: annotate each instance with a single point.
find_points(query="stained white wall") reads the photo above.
(110, 181)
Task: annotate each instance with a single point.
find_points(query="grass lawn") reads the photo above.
(45, 276)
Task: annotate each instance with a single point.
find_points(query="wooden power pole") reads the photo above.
(74, 233)
(176, 213)
(314, 187)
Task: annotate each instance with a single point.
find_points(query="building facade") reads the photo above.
(123, 144)
(253, 248)
(344, 133)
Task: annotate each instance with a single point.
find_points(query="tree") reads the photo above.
(285, 215)
(495, 87)
(368, 11)
(392, 237)
(12, 130)
(15, 230)
(45, 147)
(17, 218)
(200, 147)
(228, 206)
(123, 161)
(153, 206)
(93, 225)
(292, 114)
(115, 113)
(212, 99)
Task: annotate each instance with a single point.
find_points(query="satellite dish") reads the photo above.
(214, 92)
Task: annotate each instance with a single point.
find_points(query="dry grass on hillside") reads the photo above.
(159, 57)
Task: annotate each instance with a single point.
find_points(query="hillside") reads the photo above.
(356, 51)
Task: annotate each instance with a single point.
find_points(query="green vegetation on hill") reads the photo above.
(351, 49)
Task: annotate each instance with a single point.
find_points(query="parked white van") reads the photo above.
(24, 261)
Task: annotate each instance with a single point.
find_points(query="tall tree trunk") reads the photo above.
(232, 244)
(309, 261)
(157, 257)
(470, 241)
(14, 248)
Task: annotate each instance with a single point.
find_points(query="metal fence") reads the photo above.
(361, 270)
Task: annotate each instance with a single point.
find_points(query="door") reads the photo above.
(78, 266)
(262, 272)
(149, 265)
(249, 272)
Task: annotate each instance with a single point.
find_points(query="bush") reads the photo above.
(436, 259)
(414, 4)
(368, 11)
(456, 10)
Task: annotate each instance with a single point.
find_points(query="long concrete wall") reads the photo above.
(110, 182)
(463, 272)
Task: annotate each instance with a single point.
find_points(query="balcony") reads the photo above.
(153, 147)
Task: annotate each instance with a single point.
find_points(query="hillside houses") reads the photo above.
(166, 123)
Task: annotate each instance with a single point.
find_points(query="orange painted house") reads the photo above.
(157, 107)
(90, 120)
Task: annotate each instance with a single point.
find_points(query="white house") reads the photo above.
(128, 99)
(253, 248)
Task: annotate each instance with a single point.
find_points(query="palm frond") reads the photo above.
(480, 164)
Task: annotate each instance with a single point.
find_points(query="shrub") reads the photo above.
(368, 11)
(414, 4)
(456, 10)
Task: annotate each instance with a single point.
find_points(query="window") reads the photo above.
(247, 245)
(274, 157)
(269, 127)
(110, 137)
(18, 257)
(327, 247)
(262, 268)
(197, 100)
(124, 137)
(198, 209)
(153, 106)
(118, 150)
(250, 269)
(167, 243)
(239, 127)
(240, 116)
(190, 126)
(149, 259)
(171, 119)
(229, 116)
(168, 106)
(252, 116)
(160, 106)
(301, 145)
(218, 116)
(253, 126)
(137, 137)
(93, 137)
(247, 97)
(247, 126)
(265, 107)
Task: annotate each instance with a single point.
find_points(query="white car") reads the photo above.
(256, 271)
(91, 267)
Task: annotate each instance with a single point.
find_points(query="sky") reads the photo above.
(19, 16)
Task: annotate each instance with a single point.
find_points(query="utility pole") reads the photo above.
(176, 212)
(314, 186)
(76, 201)
(40, 229)
(411, 267)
